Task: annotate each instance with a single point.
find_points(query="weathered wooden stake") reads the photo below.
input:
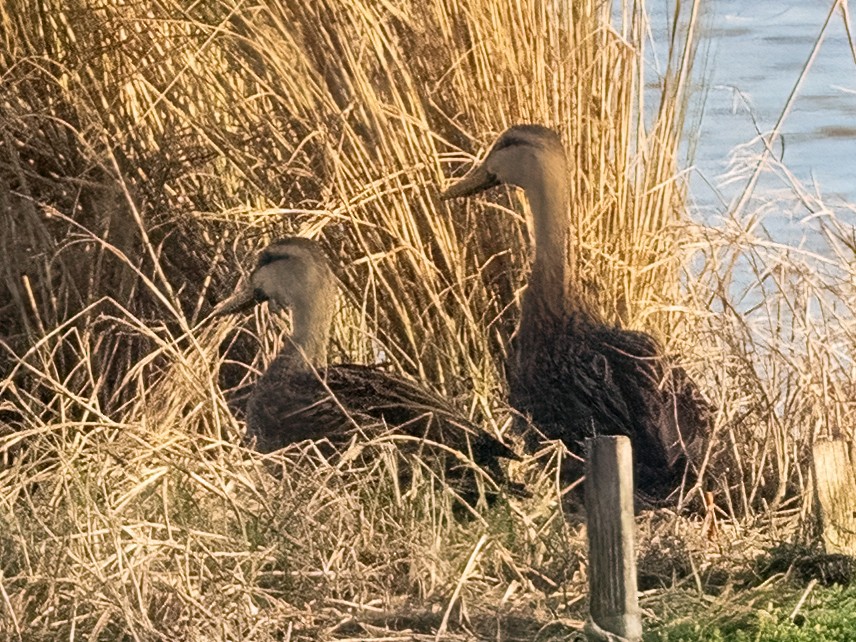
(613, 598)
(836, 494)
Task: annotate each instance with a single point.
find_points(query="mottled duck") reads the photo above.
(572, 374)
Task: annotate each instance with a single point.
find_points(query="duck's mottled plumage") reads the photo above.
(299, 397)
(572, 374)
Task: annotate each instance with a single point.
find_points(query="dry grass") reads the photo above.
(148, 149)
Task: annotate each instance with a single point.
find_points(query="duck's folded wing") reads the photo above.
(411, 408)
(673, 404)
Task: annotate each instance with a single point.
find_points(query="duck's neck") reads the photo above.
(549, 291)
(311, 332)
(306, 348)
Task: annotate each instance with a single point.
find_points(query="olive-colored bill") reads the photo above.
(477, 180)
(243, 299)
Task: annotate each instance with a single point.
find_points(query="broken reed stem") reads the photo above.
(462, 580)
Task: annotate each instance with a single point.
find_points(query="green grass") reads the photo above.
(828, 614)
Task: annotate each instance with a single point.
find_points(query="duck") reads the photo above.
(571, 374)
(301, 397)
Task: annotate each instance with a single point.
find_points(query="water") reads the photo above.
(757, 51)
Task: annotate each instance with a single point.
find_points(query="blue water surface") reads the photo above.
(755, 54)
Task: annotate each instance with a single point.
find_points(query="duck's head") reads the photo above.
(291, 273)
(523, 155)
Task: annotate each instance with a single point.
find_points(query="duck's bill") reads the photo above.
(478, 180)
(242, 300)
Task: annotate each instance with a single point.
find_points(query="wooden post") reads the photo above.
(613, 598)
(836, 494)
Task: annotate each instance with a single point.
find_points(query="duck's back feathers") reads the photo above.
(292, 404)
(590, 379)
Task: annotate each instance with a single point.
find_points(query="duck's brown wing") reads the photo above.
(412, 409)
(570, 390)
(671, 419)
(342, 400)
(591, 379)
